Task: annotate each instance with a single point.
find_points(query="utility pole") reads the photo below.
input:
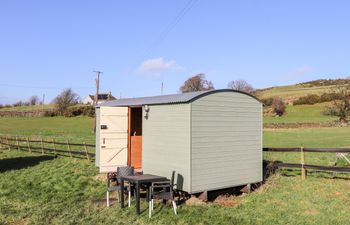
(97, 80)
(43, 102)
(97, 86)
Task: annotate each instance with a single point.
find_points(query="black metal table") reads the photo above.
(138, 180)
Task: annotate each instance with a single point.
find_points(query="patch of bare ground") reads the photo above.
(271, 182)
(194, 201)
(228, 200)
(21, 221)
(101, 177)
(312, 212)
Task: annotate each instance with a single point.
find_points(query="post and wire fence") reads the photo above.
(48, 146)
(303, 166)
(83, 150)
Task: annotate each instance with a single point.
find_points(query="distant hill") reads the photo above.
(291, 93)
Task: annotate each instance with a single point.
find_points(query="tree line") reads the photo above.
(338, 95)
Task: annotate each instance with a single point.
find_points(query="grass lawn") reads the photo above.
(76, 128)
(37, 189)
(302, 114)
(312, 138)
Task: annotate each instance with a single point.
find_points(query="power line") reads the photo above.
(40, 87)
(163, 35)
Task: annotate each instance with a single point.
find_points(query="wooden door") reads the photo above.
(113, 138)
(136, 152)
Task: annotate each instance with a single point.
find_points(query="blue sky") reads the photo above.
(47, 46)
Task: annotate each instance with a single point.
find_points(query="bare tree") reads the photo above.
(65, 99)
(279, 106)
(341, 104)
(196, 83)
(19, 103)
(34, 100)
(241, 85)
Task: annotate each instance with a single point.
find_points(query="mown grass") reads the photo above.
(63, 191)
(302, 114)
(77, 128)
(312, 138)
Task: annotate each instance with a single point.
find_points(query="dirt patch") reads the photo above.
(19, 222)
(337, 193)
(312, 212)
(227, 201)
(102, 203)
(100, 177)
(193, 201)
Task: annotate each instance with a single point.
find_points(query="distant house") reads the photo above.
(103, 97)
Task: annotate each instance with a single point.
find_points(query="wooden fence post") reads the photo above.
(28, 144)
(302, 155)
(8, 143)
(42, 146)
(86, 151)
(54, 145)
(17, 143)
(68, 145)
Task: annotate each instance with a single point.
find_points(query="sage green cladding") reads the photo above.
(226, 141)
(212, 141)
(166, 142)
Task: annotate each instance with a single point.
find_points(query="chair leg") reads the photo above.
(149, 209)
(118, 196)
(174, 206)
(107, 199)
(152, 204)
(129, 198)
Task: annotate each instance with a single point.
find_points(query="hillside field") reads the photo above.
(302, 114)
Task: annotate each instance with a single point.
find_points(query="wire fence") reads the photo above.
(45, 146)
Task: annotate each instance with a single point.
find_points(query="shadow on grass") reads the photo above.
(314, 173)
(22, 162)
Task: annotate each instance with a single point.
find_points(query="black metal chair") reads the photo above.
(163, 190)
(115, 177)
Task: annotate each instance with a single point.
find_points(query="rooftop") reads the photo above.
(166, 99)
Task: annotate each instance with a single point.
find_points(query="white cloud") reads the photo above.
(158, 65)
(300, 71)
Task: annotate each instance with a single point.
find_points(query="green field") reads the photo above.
(302, 114)
(292, 91)
(75, 128)
(28, 108)
(37, 189)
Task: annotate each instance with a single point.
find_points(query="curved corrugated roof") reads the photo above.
(166, 99)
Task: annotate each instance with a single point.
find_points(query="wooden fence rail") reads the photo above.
(303, 166)
(54, 148)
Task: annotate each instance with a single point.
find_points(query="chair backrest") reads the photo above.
(124, 171)
(172, 180)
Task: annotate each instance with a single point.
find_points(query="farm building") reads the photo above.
(211, 139)
(102, 97)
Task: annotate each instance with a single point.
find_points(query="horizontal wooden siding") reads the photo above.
(226, 141)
